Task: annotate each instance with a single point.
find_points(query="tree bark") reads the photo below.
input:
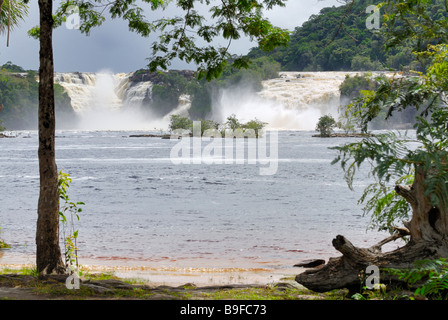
(428, 222)
(48, 252)
(428, 240)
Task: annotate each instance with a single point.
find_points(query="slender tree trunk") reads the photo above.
(48, 254)
(428, 231)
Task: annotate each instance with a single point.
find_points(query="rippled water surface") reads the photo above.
(141, 208)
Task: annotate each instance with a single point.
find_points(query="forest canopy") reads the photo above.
(19, 96)
(337, 39)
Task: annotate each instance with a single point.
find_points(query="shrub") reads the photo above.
(326, 125)
(177, 122)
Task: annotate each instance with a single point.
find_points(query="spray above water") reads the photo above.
(107, 101)
(294, 101)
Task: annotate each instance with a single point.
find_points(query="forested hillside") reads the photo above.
(337, 39)
(19, 92)
(19, 96)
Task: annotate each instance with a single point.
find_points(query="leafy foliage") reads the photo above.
(353, 114)
(429, 276)
(69, 211)
(180, 36)
(417, 23)
(394, 156)
(183, 125)
(19, 96)
(255, 125)
(178, 122)
(337, 38)
(11, 14)
(351, 87)
(326, 125)
(230, 20)
(384, 205)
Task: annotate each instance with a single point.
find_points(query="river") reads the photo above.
(141, 209)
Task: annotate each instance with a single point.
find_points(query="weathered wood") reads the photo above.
(428, 239)
(345, 271)
(401, 232)
(312, 263)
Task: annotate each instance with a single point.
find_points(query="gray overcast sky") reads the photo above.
(114, 48)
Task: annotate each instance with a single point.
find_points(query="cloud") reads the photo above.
(113, 47)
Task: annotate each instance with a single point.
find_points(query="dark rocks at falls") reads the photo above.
(158, 77)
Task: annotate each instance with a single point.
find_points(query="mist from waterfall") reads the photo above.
(107, 101)
(294, 101)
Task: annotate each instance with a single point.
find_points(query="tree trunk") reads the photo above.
(428, 240)
(48, 253)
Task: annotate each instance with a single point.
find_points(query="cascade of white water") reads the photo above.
(299, 90)
(182, 109)
(106, 101)
(295, 100)
(93, 90)
(135, 94)
(78, 86)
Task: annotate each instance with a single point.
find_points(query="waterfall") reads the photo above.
(93, 90)
(294, 100)
(136, 94)
(107, 101)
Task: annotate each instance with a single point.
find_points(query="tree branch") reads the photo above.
(341, 22)
(401, 232)
(407, 193)
(354, 254)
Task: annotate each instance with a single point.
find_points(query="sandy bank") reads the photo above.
(176, 273)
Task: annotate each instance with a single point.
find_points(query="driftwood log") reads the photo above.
(428, 239)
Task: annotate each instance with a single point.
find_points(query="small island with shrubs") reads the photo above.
(183, 126)
(326, 125)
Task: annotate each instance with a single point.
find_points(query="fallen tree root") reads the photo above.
(348, 271)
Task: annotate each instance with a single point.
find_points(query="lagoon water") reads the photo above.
(141, 209)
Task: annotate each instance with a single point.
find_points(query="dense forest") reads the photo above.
(337, 39)
(356, 86)
(19, 97)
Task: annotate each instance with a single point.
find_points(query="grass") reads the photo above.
(4, 245)
(109, 286)
(137, 289)
(268, 293)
